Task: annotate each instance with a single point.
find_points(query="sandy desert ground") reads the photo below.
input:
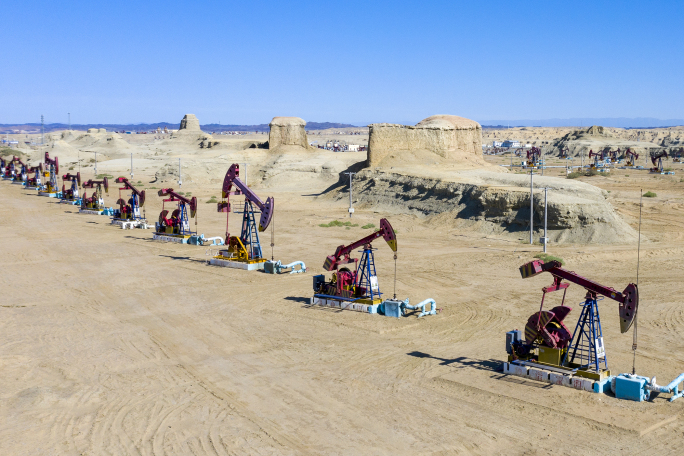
(116, 344)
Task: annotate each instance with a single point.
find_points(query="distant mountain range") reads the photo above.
(615, 122)
(11, 128)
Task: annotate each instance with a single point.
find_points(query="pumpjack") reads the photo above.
(7, 169)
(547, 341)
(71, 195)
(632, 157)
(359, 284)
(33, 183)
(178, 224)
(128, 214)
(20, 174)
(614, 155)
(657, 160)
(244, 251)
(599, 159)
(677, 156)
(95, 203)
(533, 157)
(50, 172)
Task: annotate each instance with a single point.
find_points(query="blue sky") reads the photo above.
(354, 61)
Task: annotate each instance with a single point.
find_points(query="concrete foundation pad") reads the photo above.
(49, 195)
(344, 305)
(236, 264)
(166, 238)
(558, 378)
(130, 224)
(90, 211)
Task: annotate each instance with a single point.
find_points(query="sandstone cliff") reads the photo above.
(287, 132)
(454, 139)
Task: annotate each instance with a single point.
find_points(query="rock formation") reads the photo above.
(287, 131)
(190, 123)
(189, 131)
(495, 203)
(455, 139)
(596, 138)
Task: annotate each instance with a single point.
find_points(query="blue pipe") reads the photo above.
(421, 306)
(302, 267)
(672, 387)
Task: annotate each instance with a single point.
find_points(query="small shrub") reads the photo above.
(587, 173)
(212, 200)
(101, 176)
(626, 175)
(650, 195)
(368, 226)
(70, 168)
(337, 223)
(545, 257)
(190, 194)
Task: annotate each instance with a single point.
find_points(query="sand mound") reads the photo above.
(496, 203)
(287, 131)
(437, 139)
(61, 147)
(100, 140)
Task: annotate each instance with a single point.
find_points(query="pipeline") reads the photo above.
(433, 307)
(216, 240)
(277, 267)
(653, 389)
(302, 267)
(672, 388)
(201, 240)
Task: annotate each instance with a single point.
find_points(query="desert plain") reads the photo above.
(113, 343)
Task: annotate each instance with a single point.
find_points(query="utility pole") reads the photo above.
(42, 130)
(351, 209)
(531, 208)
(180, 181)
(545, 239)
(69, 114)
(131, 166)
